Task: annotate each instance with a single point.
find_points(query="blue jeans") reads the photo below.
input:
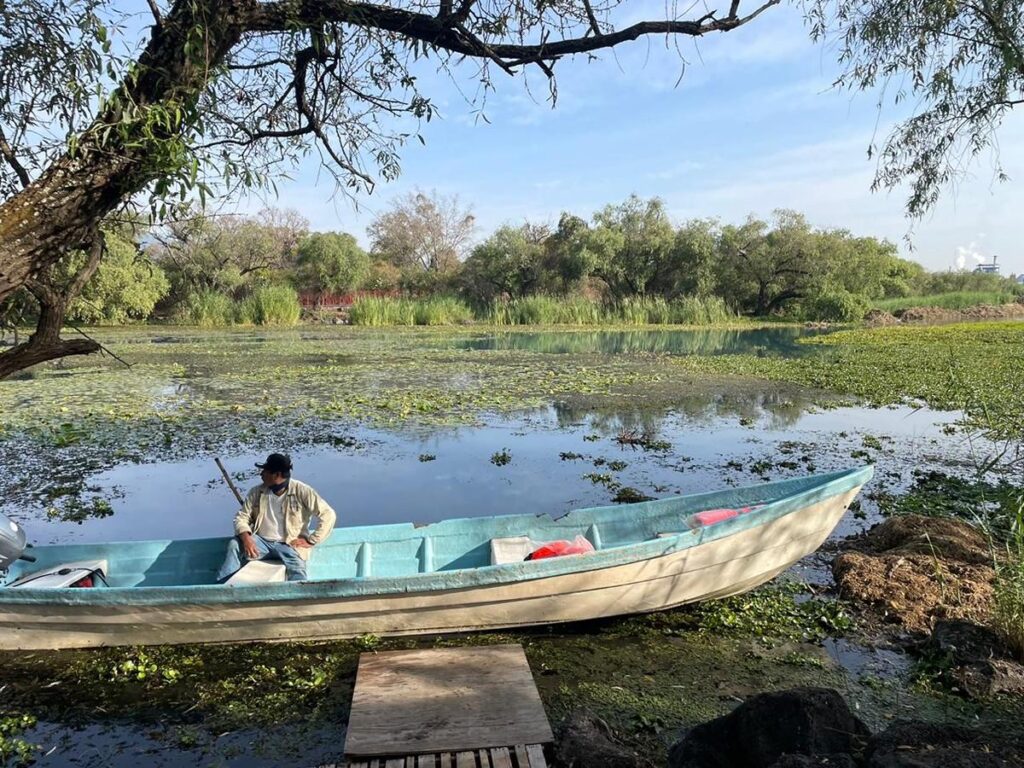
(294, 566)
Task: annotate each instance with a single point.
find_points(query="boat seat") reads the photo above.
(258, 572)
(512, 549)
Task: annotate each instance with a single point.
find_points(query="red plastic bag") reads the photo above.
(578, 546)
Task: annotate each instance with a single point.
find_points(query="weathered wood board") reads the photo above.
(444, 700)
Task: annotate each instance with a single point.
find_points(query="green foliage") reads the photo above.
(1008, 587)
(125, 287)
(773, 613)
(382, 311)
(544, 310)
(501, 458)
(509, 264)
(331, 262)
(631, 241)
(959, 64)
(951, 300)
(834, 305)
(14, 750)
(206, 309)
(270, 305)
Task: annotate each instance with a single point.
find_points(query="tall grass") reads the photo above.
(1008, 588)
(383, 311)
(551, 310)
(952, 300)
(270, 305)
(207, 309)
(544, 310)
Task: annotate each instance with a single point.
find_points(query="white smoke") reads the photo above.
(965, 252)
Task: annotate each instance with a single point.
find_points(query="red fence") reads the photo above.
(342, 300)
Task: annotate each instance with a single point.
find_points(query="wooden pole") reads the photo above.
(227, 479)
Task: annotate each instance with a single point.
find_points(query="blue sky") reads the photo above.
(753, 125)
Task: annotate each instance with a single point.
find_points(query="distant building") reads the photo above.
(1020, 279)
(990, 269)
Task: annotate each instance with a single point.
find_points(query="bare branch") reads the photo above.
(156, 12)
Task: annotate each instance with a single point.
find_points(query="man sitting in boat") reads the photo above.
(273, 524)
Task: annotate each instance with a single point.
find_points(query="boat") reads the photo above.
(402, 579)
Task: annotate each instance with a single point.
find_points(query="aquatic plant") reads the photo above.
(501, 458)
(270, 305)
(1008, 587)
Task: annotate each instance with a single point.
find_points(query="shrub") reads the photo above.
(207, 309)
(837, 306)
(270, 305)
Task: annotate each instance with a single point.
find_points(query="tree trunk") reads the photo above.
(114, 161)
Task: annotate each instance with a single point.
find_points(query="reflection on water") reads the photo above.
(700, 341)
(561, 459)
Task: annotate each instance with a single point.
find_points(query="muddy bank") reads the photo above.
(924, 315)
(911, 571)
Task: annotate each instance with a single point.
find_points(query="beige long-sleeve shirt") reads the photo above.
(299, 505)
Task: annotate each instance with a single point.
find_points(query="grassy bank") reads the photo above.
(952, 300)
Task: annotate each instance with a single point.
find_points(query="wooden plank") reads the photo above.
(522, 758)
(445, 760)
(536, 755)
(444, 700)
(358, 764)
(410, 762)
(500, 757)
(425, 761)
(394, 762)
(485, 760)
(465, 760)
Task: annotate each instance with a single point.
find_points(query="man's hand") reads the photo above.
(300, 543)
(249, 546)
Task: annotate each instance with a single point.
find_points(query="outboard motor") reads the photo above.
(12, 543)
(87, 573)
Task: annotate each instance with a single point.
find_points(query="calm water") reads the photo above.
(701, 341)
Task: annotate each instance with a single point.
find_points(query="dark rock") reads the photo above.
(981, 664)
(908, 744)
(584, 740)
(800, 721)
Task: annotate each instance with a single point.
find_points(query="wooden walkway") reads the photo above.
(523, 756)
(446, 708)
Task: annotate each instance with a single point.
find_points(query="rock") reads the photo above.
(982, 665)
(915, 570)
(759, 732)
(908, 744)
(584, 740)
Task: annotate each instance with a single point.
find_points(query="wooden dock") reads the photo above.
(446, 708)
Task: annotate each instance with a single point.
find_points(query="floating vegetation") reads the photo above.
(627, 495)
(501, 458)
(427, 457)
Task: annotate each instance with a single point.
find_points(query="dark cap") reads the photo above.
(277, 462)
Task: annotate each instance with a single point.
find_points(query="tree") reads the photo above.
(224, 91)
(764, 267)
(422, 233)
(126, 286)
(960, 63)
(226, 253)
(634, 240)
(569, 258)
(331, 262)
(690, 270)
(508, 264)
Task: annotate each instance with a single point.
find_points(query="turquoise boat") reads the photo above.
(451, 576)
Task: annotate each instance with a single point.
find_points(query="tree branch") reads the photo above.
(9, 157)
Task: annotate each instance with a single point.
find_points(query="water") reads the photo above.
(700, 341)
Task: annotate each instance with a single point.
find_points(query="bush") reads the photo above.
(441, 310)
(207, 309)
(836, 306)
(950, 300)
(270, 305)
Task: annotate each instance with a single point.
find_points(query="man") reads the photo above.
(273, 524)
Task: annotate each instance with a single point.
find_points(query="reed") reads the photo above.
(952, 300)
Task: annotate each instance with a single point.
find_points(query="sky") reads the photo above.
(735, 124)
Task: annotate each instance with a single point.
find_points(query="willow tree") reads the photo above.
(221, 92)
(960, 64)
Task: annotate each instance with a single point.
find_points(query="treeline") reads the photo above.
(628, 263)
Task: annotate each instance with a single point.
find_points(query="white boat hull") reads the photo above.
(715, 569)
